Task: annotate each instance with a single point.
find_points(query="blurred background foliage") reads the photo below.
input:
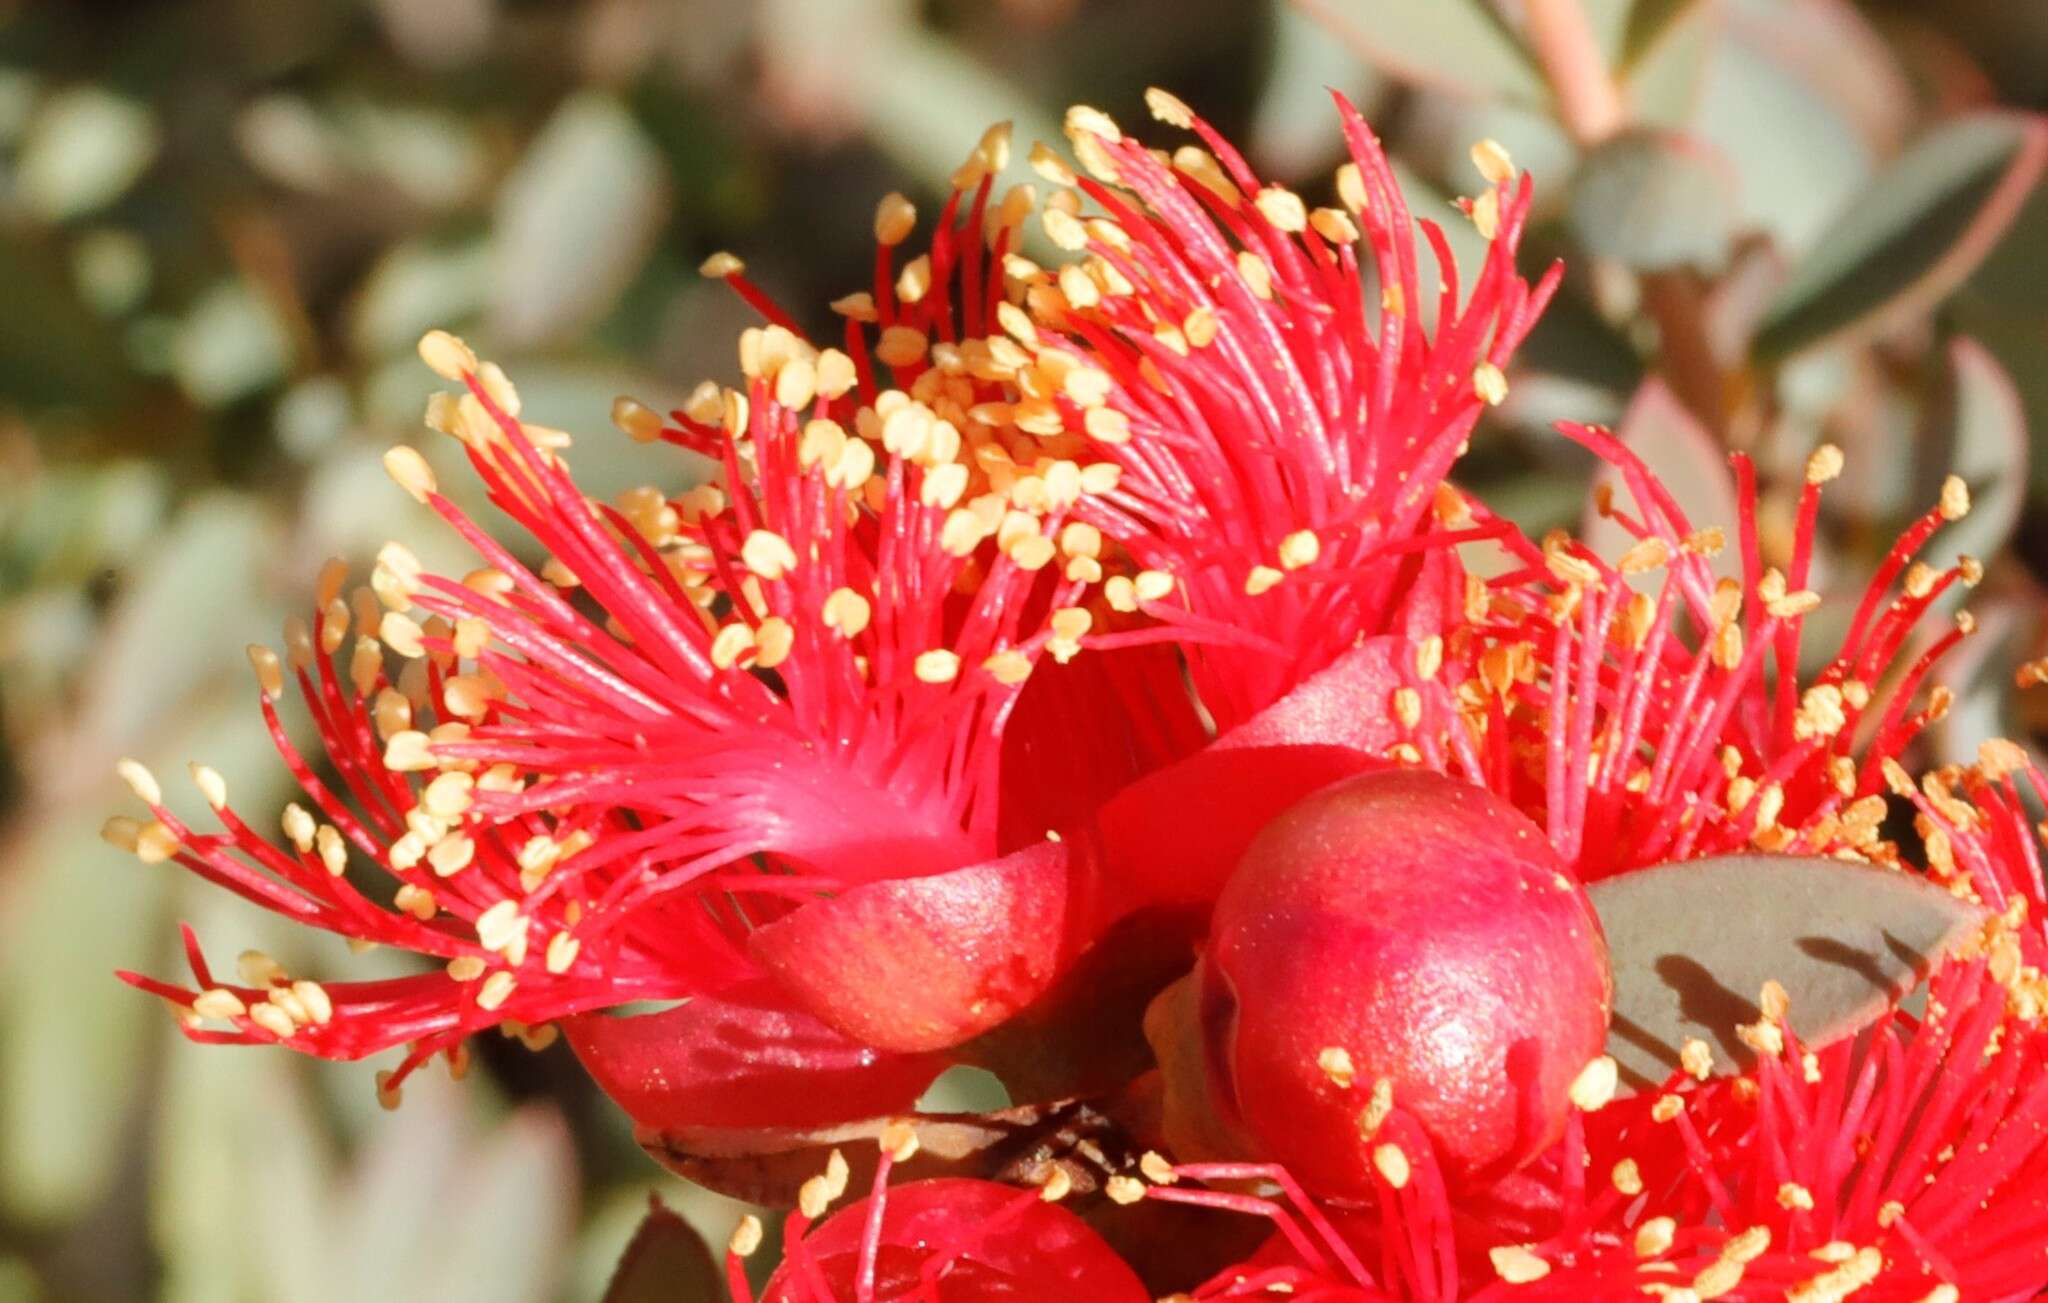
(224, 223)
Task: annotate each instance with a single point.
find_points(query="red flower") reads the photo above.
(799, 739)
(1910, 1162)
(932, 731)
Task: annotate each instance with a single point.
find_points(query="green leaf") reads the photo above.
(1920, 227)
(1666, 66)
(230, 345)
(1692, 944)
(1655, 200)
(667, 1262)
(574, 221)
(1294, 128)
(1799, 155)
(1652, 21)
(1456, 45)
(85, 147)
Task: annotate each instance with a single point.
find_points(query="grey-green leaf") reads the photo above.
(1457, 45)
(667, 1262)
(1919, 228)
(1654, 200)
(1692, 944)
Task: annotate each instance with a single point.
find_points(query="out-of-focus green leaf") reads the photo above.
(666, 1262)
(85, 146)
(238, 1145)
(574, 221)
(111, 269)
(18, 89)
(1681, 455)
(922, 101)
(312, 415)
(1665, 76)
(1456, 44)
(229, 345)
(433, 158)
(1918, 230)
(178, 629)
(2014, 277)
(288, 140)
(455, 1213)
(53, 351)
(18, 1282)
(1654, 200)
(1626, 28)
(1651, 22)
(75, 520)
(1798, 157)
(1294, 128)
(501, 1223)
(415, 288)
(1976, 429)
(1437, 129)
(72, 1038)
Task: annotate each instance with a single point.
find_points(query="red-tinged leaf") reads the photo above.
(998, 1244)
(666, 1262)
(1922, 225)
(917, 964)
(742, 1058)
(1977, 428)
(1692, 944)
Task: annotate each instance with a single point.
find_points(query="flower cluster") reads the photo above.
(931, 729)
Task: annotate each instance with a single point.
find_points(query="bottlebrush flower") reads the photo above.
(933, 729)
(1910, 1162)
(824, 743)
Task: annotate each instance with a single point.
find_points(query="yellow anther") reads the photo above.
(895, 218)
(447, 356)
(410, 472)
(1489, 384)
(1493, 162)
(1283, 208)
(768, 554)
(1516, 1265)
(720, 265)
(938, 665)
(1169, 108)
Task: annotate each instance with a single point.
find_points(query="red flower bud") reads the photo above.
(1401, 926)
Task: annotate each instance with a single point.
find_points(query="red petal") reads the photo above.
(1174, 836)
(916, 964)
(1085, 730)
(1001, 1245)
(742, 1058)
